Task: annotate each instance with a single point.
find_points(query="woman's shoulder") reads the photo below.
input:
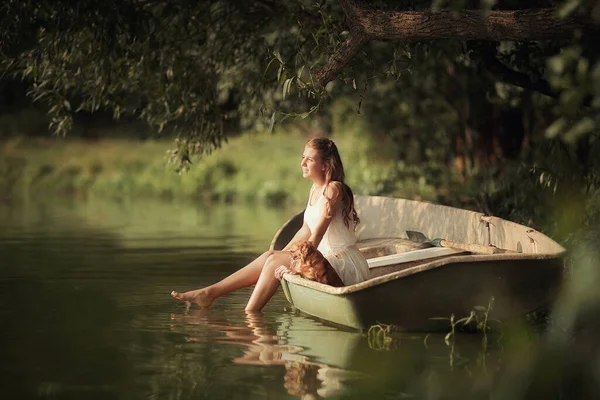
(334, 187)
(333, 190)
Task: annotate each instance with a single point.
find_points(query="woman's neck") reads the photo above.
(319, 183)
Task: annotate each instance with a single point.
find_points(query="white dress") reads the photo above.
(338, 245)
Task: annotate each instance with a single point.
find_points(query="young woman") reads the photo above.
(329, 224)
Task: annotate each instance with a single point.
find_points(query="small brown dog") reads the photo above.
(309, 263)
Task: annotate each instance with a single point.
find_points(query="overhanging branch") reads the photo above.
(521, 25)
(340, 58)
(502, 73)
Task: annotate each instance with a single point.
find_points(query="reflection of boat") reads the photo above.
(320, 343)
(319, 360)
(314, 369)
(409, 291)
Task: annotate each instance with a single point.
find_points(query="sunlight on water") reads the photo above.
(85, 312)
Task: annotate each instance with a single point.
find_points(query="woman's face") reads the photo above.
(312, 165)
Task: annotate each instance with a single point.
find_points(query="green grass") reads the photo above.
(253, 167)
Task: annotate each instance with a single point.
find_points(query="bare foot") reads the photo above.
(199, 296)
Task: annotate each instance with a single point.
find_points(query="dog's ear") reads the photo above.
(307, 250)
(320, 275)
(303, 269)
(309, 273)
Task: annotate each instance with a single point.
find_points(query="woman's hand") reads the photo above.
(280, 271)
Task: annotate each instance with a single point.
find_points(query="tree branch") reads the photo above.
(502, 73)
(523, 25)
(340, 58)
(498, 25)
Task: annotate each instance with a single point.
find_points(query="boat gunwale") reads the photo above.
(379, 280)
(468, 258)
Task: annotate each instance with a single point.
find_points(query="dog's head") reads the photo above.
(309, 263)
(305, 255)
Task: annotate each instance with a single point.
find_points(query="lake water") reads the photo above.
(85, 312)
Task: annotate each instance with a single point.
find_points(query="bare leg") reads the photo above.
(267, 284)
(246, 276)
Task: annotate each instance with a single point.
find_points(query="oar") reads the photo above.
(419, 237)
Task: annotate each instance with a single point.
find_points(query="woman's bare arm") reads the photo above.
(332, 193)
(302, 234)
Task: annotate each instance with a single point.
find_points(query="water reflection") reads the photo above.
(321, 361)
(264, 346)
(85, 312)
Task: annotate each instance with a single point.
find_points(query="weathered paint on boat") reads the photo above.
(409, 295)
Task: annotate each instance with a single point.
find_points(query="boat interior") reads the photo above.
(387, 255)
(386, 224)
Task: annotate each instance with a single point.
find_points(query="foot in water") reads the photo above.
(199, 296)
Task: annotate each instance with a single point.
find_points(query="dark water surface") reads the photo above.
(85, 312)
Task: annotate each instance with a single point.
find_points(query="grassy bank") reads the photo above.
(120, 168)
(250, 168)
(264, 168)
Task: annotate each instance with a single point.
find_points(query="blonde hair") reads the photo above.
(334, 172)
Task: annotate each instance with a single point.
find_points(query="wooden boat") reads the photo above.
(414, 287)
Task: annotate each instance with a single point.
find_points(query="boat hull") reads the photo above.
(422, 296)
(420, 301)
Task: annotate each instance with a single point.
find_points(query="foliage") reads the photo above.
(185, 65)
(197, 66)
(378, 337)
(243, 171)
(127, 169)
(430, 120)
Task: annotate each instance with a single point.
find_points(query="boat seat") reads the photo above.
(382, 252)
(412, 255)
(372, 248)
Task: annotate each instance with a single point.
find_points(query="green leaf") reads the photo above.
(488, 4)
(315, 39)
(448, 336)
(556, 128)
(287, 86)
(278, 57)
(468, 321)
(568, 7)
(582, 127)
(557, 64)
(272, 122)
(268, 65)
